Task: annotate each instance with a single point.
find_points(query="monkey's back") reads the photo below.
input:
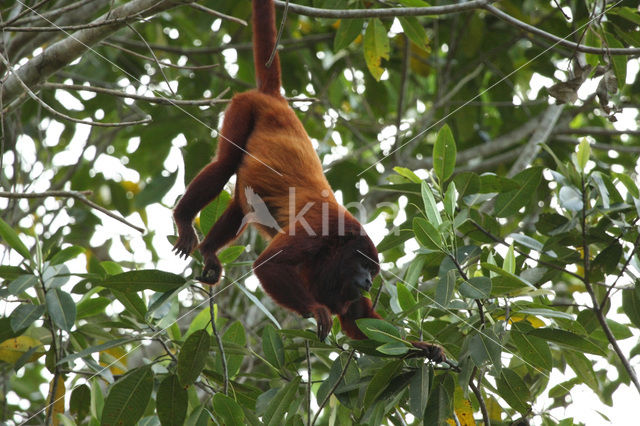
(279, 156)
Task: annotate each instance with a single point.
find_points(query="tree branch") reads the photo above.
(597, 308)
(561, 41)
(80, 196)
(390, 12)
(63, 52)
(225, 370)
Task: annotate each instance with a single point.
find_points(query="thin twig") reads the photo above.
(162, 64)
(306, 345)
(76, 195)
(403, 85)
(476, 391)
(391, 12)
(64, 116)
(52, 13)
(275, 45)
(218, 14)
(225, 371)
(334, 387)
(624, 268)
(597, 308)
(26, 11)
(155, 58)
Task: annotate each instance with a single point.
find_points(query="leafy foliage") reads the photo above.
(525, 275)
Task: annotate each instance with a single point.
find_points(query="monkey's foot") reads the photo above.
(323, 319)
(211, 271)
(431, 351)
(186, 242)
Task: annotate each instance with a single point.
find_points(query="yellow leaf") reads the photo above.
(494, 409)
(12, 349)
(58, 400)
(463, 409)
(130, 186)
(376, 47)
(533, 320)
(115, 358)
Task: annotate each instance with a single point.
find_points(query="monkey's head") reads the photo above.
(358, 267)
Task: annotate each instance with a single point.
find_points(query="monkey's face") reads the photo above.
(359, 268)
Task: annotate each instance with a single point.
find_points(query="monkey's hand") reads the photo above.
(431, 351)
(323, 319)
(186, 242)
(212, 269)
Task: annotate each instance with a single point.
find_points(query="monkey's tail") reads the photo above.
(264, 41)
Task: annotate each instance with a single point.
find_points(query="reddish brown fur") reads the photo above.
(265, 145)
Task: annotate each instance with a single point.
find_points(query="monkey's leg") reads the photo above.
(236, 128)
(277, 268)
(226, 229)
(361, 308)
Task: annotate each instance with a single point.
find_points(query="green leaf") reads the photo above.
(97, 348)
(348, 30)
(393, 348)
(394, 239)
(619, 61)
(513, 389)
(280, 403)
(627, 13)
(128, 398)
(419, 390)
(450, 200)
(439, 409)
(415, 31)
(509, 263)
(570, 198)
(212, 212)
(584, 151)
(24, 315)
(80, 402)
(406, 300)
(426, 234)
(66, 254)
(22, 283)
(533, 350)
(193, 355)
(228, 410)
(11, 238)
(144, 279)
(378, 330)
(430, 205)
(172, 401)
(567, 339)
(230, 254)
(237, 335)
(258, 303)
(91, 307)
(631, 306)
(485, 346)
(272, 346)
(408, 174)
(376, 47)
(583, 369)
(444, 154)
(61, 308)
(380, 381)
(476, 288)
(445, 287)
(508, 203)
(133, 303)
(628, 182)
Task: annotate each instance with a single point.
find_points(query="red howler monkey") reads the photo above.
(320, 260)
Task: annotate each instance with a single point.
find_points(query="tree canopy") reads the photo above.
(490, 147)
